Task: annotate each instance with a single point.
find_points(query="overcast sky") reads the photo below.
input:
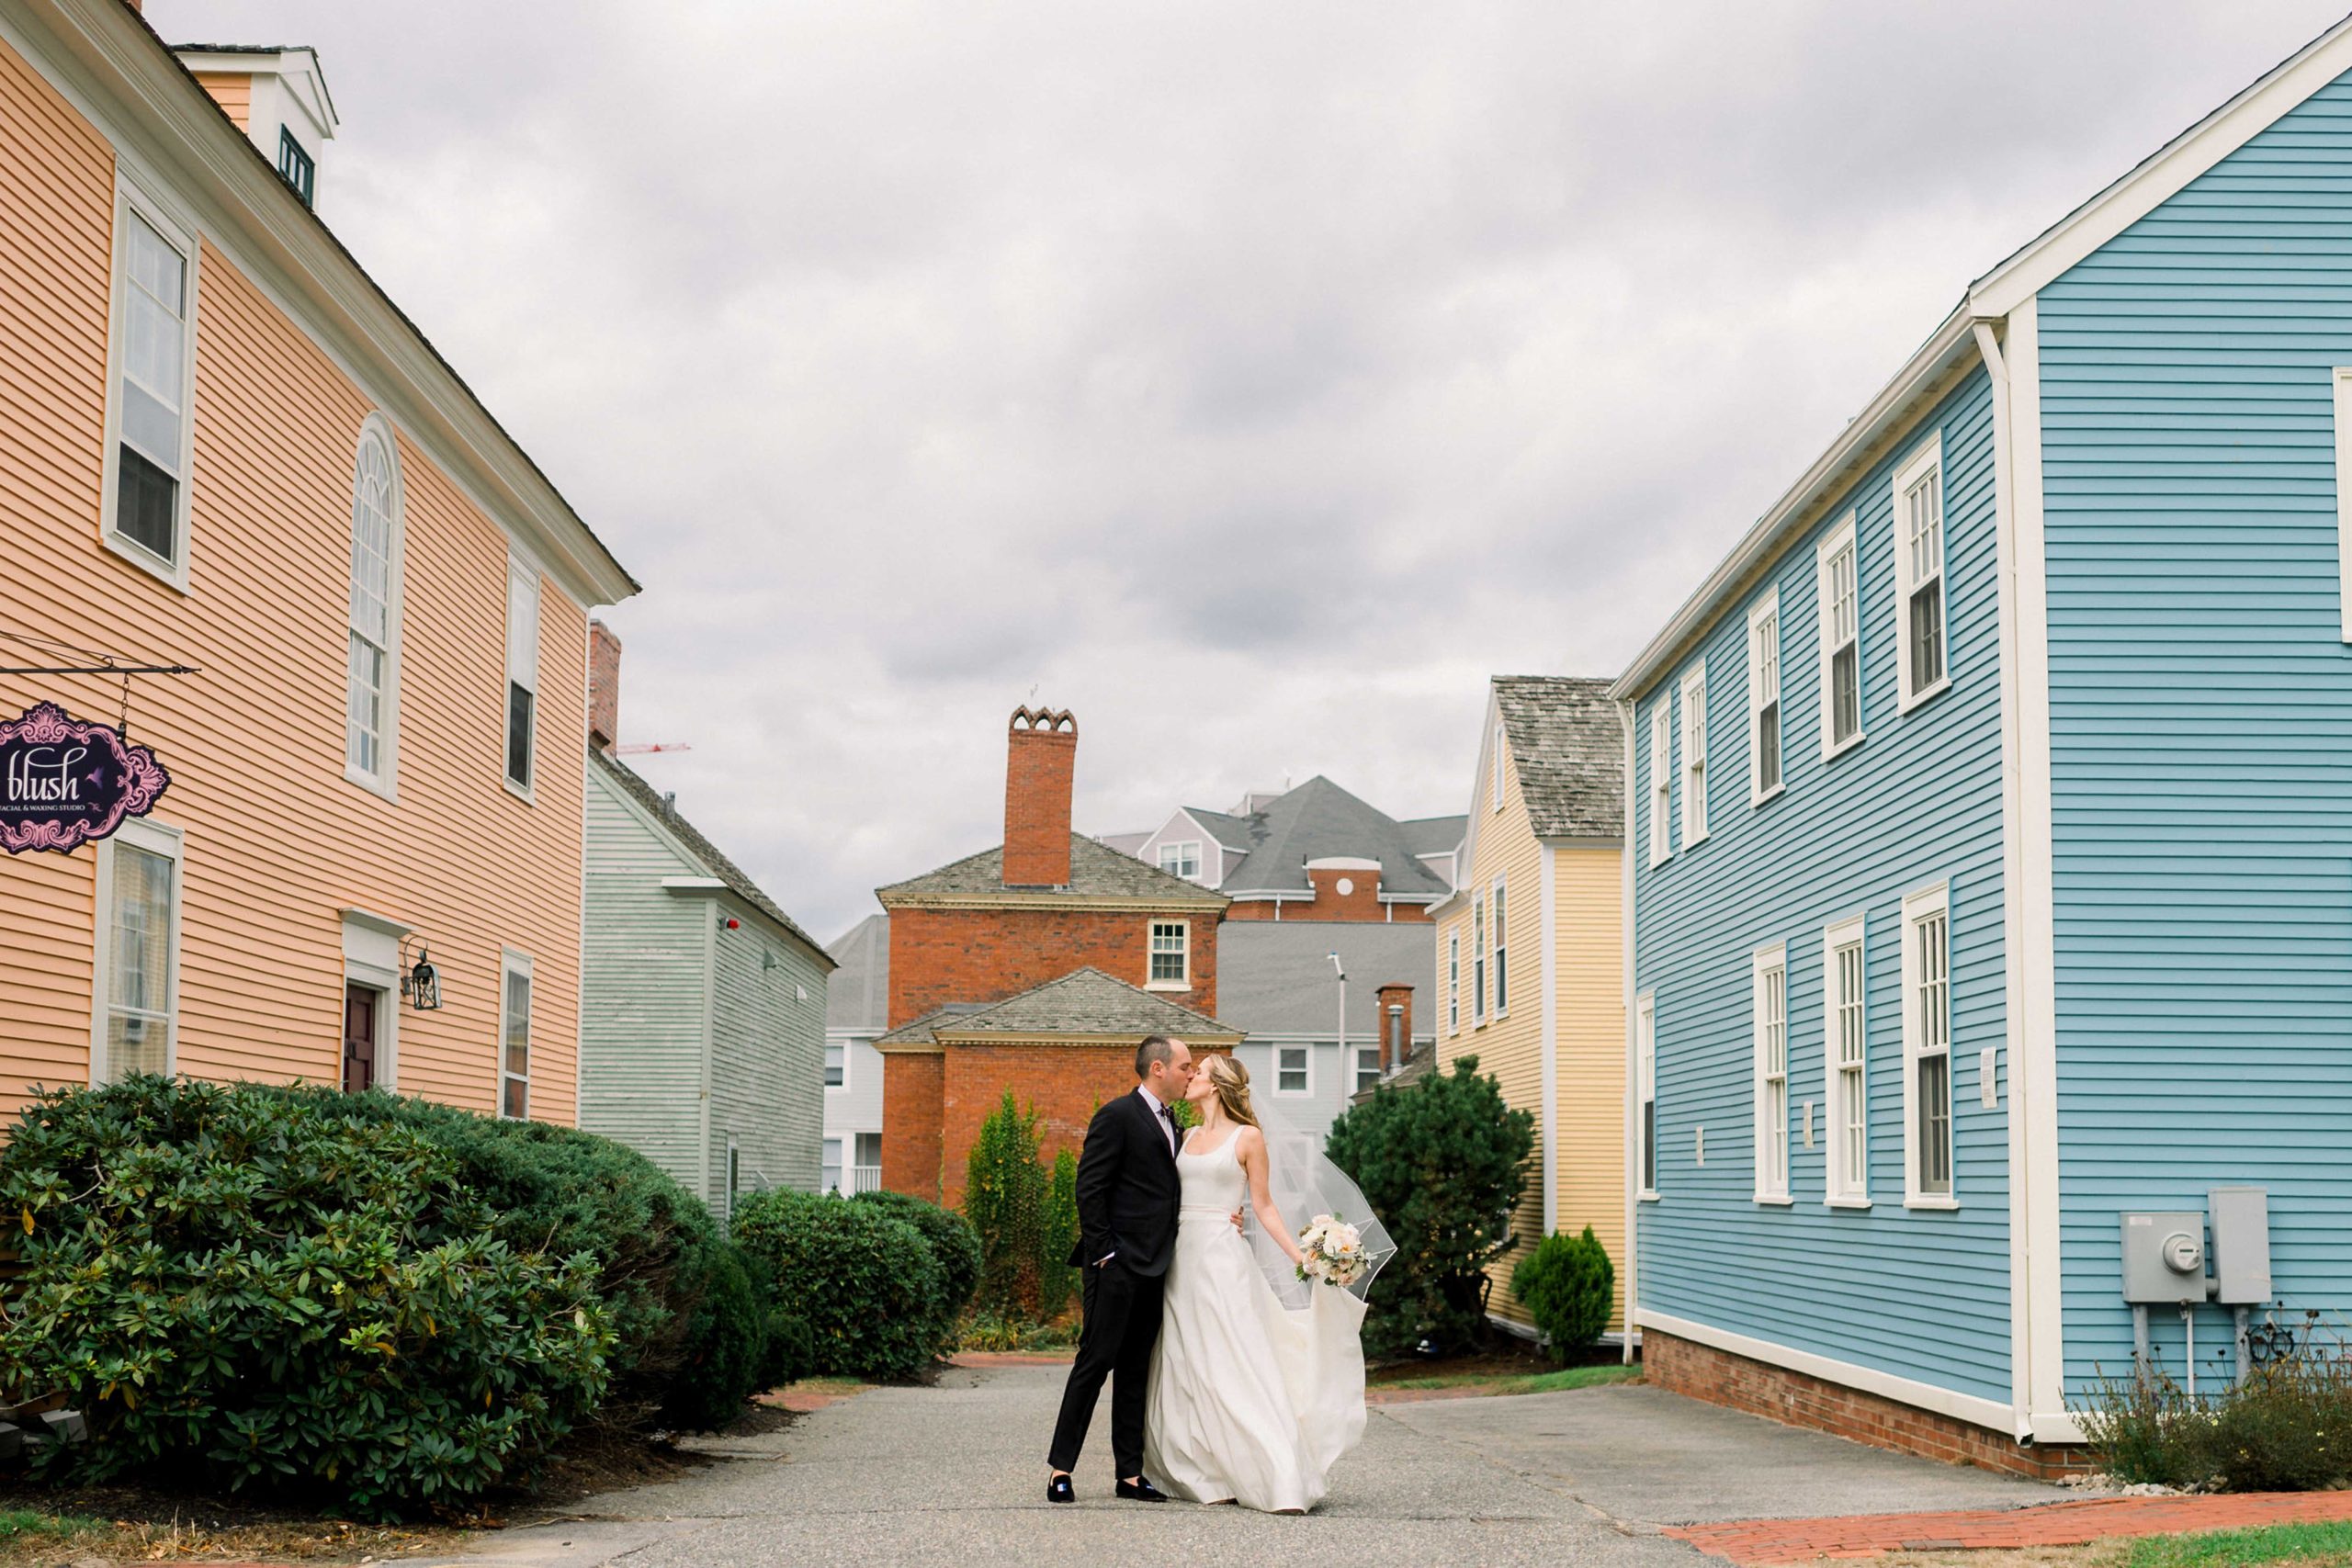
(1253, 381)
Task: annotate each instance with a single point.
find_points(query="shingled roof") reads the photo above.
(1570, 753)
(1082, 1002)
(1096, 871)
(1318, 820)
(701, 849)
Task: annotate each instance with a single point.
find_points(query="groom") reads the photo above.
(1127, 1196)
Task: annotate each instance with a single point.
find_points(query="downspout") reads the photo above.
(2019, 949)
(1633, 1064)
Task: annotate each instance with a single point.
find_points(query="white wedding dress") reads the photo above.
(1249, 1402)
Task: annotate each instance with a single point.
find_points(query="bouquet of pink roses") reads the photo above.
(1331, 1252)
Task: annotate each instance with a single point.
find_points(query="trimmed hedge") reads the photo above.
(267, 1290)
(953, 1241)
(1568, 1285)
(725, 1347)
(863, 1282)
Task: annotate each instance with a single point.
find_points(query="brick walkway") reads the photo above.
(1754, 1541)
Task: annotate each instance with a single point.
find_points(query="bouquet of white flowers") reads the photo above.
(1331, 1252)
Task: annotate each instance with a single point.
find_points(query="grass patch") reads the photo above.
(2325, 1543)
(31, 1539)
(26, 1525)
(1539, 1382)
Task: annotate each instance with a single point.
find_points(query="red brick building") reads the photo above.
(1089, 949)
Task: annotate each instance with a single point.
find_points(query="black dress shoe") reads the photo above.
(1141, 1490)
(1057, 1489)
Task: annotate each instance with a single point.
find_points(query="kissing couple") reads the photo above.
(1234, 1377)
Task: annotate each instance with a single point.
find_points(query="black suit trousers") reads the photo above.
(1121, 1325)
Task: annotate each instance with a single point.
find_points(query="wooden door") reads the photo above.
(359, 1004)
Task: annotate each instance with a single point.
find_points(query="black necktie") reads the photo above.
(1170, 1117)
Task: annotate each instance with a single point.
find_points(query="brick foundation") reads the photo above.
(1799, 1399)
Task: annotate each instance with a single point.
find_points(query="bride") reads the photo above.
(1251, 1401)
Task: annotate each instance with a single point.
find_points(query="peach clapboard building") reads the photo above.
(222, 447)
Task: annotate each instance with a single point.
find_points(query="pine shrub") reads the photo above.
(1568, 1285)
(724, 1349)
(1056, 1278)
(1004, 1197)
(248, 1288)
(863, 1282)
(1443, 1162)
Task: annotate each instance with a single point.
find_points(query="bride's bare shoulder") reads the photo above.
(1250, 1140)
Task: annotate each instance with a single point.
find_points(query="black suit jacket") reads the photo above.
(1127, 1191)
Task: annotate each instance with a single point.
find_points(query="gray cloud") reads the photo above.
(1253, 381)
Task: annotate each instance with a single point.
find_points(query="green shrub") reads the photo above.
(1568, 1285)
(1056, 1280)
(952, 1242)
(790, 1350)
(243, 1286)
(725, 1347)
(1004, 1197)
(1443, 1162)
(863, 1282)
(562, 1192)
(2286, 1426)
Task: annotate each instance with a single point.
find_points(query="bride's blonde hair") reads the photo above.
(1230, 1079)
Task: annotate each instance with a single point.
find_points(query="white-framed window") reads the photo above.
(2342, 385)
(1494, 770)
(1171, 954)
(1182, 859)
(1845, 1058)
(1764, 697)
(1694, 755)
(1500, 960)
(515, 1036)
(734, 1176)
(836, 1063)
(522, 674)
(1645, 1086)
(151, 386)
(1839, 595)
(1770, 992)
(1927, 1048)
(1453, 980)
(1919, 608)
(1661, 779)
(135, 1021)
(866, 1163)
(1479, 957)
(829, 1179)
(1367, 1067)
(1292, 1069)
(371, 707)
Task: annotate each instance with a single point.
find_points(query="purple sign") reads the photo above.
(63, 783)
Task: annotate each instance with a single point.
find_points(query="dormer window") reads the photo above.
(1182, 859)
(295, 166)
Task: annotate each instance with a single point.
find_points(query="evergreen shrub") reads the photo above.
(952, 1242)
(1056, 1278)
(863, 1282)
(1443, 1162)
(1568, 1285)
(267, 1290)
(1004, 1197)
(724, 1347)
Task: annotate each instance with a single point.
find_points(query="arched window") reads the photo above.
(372, 707)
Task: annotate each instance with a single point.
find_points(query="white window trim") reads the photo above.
(1841, 538)
(2343, 384)
(511, 962)
(1766, 608)
(1494, 770)
(130, 197)
(849, 1052)
(1182, 847)
(1767, 961)
(1480, 935)
(1150, 931)
(1835, 1193)
(385, 781)
(1497, 904)
(1929, 455)
(1662, 779)
(1694, 755)
(1354, 1068)
(1307, 1093)
(1453, 978)
(156, 838)
(1922, 904)
(1645, 1138)
(521, 566)
(727, 1178)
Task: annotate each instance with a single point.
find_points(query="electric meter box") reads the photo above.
(2164, 1257)
(2241, 1244)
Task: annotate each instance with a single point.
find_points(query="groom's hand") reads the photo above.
(1236, 1219)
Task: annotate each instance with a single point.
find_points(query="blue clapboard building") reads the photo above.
(1990, 836)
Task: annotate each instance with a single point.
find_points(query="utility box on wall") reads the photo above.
(2164, 1257)
(2241, 1218)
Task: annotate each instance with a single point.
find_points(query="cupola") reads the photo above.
(277, 96)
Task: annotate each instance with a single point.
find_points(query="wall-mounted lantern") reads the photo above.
(421, 984)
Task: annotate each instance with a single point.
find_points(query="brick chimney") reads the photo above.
(604, 686)
(1396, 1026)
(1041, 756)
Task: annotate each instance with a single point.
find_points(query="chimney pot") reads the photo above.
(1396, 1027)
(1041, 755)
(604, 686)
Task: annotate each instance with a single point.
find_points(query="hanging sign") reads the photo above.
(63, 783)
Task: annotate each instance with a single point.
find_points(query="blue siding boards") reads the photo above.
(2201, 723)
(1918, 1293)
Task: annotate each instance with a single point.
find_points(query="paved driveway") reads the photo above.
(953, 1475)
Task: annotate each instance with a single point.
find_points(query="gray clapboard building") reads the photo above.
(702, 1035)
